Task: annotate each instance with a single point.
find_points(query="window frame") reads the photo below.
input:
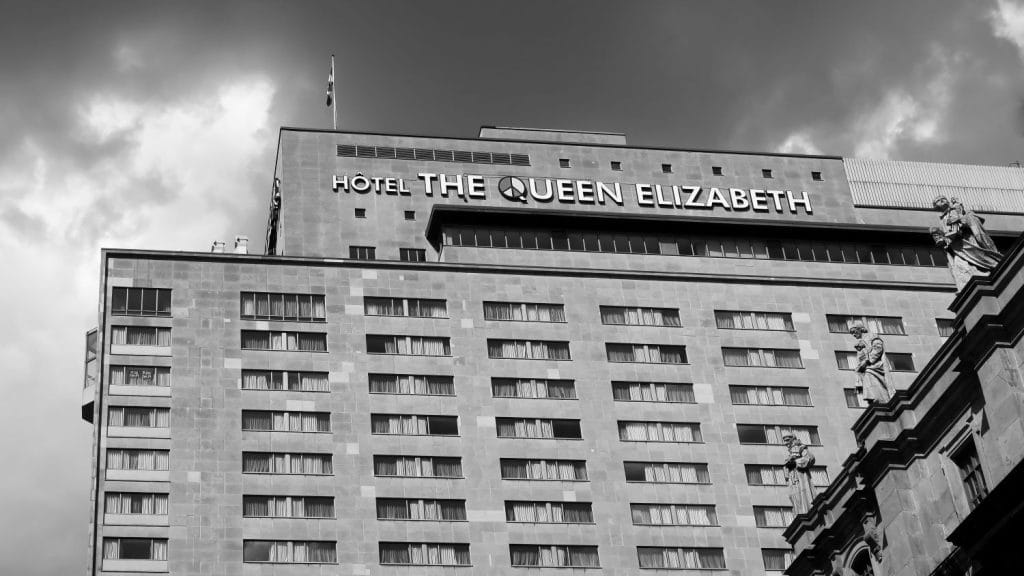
(159, 295)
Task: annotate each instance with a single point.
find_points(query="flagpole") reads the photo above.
(334, 107)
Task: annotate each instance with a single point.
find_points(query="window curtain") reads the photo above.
(525, 555)
(620, 353)
(739, 357)
(384, 307)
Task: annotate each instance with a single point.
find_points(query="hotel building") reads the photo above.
(509, 354)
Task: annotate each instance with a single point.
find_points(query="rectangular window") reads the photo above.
(775, 475)
(666, 168)
(945, 326)
(549, 512)
(770, 395)
(287, 463)
(414, 425)
(290, 380)
(408, 345)
(742, 320)
(616, 165)
(533, 388)
(766, 173)
(414, 384)
(772, 434)
(140, 302)
(716, 170)
(650, 431)
(287, 507)
(531, 469)
(967, 461)
(411, 307)
(140, 336)
(543, 555)
(816, 176)
(410, 215)
(135, 549)
(762, 357)
(854, 399)
(673, 515)
(421, 509)
(279, 421)
(524, 312)
(672, 558)
(528, 349)
(412, 254)
(290, 551)
(545, 428)
(417, 466)
(773, 516)
(667, 472)
(627, 391)
(634, 316)
(776, 559)
(360, 212)
(423, 554)
(282, 341)
(362, 252)
(136, 459)
(841, 324)
(280, 306)
(894, 361)
(135, 503)
(139, 417)
(563, 162)
(646, 353)
(140, 376)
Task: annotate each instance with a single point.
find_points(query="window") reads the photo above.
(854, 399)
(666, 168)
(408, 345)
(554, 556)
(646, 353)
(414, 425)
(673, 515)
(762, 357)
(424, 554)
(770, 395)
(624, 391)
(279, 306)
(841, 324)
(290, 551)
(135, 549)
(945, 326)
(528, 349)
(139, 417)
(422, 385)
(284, 341)
(360, 212)
(776, 559)
(287, 507)
(290, 380)
(772, 434)
(278, 421)
(631, 316)
(533, 388)
(563, 163)
(524, 312)
(140, 376)
(410, 214)
(421, 509)
(139, 336)
(564, 470)
(362, 252)
(647, 431)
(417, 466)
(412, 307)
(894, 361)
(549, 512)
(672, 558)
(616, 165)
(412, 254)
(775, 475)
(966, 459)
(741, 320)
(766, 173)
(716, 170)
(136, 459)
(135, 503)
(560, 429)
(287, 463)
(773, 516)
(667, 472)
(140, 302)
(816, 176)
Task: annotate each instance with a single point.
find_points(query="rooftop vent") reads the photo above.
(218, 247)
(241, 244)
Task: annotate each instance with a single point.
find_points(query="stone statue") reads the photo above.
(872, 536)
(968, 247)
(798, 474)
(870, 368)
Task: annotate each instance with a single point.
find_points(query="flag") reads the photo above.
(330, 83)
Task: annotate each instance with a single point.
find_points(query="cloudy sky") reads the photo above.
(153, 125)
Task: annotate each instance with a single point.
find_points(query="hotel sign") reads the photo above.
(568, 191)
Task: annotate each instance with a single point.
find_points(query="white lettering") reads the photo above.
(402, 189)
(615, 193)
(476, 186)
(662, 201)
(564, 190)
(715, 196)
(454, 184)
(802, 200)
(340, 183)
(758, 200)
(585, 191)
(644, 195)
(739, 199)
(541, 196)
(360, 183)
(427, 177)
(777, 198)
(691, 201)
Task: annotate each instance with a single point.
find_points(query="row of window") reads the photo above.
(370, 253)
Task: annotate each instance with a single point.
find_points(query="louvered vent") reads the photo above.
(460, 156)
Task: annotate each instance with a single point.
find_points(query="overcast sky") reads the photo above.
(153, 125)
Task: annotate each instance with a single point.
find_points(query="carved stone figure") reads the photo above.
(968, 247)
(798, 474)
(872, 536)
(870, 369)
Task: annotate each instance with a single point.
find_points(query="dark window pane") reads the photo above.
(119, 304)
(751, 434)
(135, 549)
